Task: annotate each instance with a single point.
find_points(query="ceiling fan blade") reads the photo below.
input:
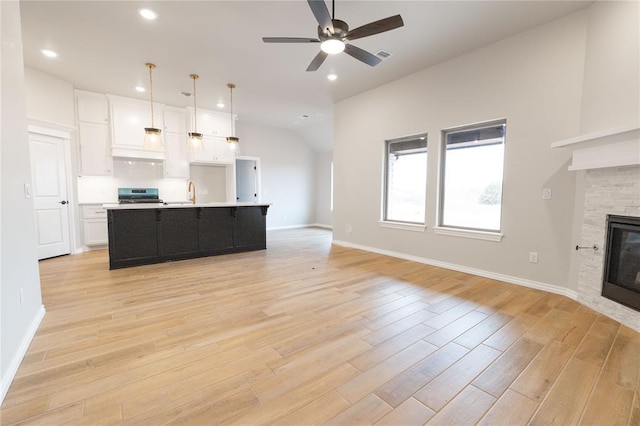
(376, 27)
(320, 11)
(289, 40)
(362, 55)
(317, 61)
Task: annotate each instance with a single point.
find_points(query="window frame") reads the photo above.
(462, 231)
(399, 224)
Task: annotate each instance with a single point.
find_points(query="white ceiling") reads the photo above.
(103, 46)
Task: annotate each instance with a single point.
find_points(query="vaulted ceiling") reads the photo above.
(103, 46)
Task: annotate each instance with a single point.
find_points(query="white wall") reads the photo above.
(288, 173)
(18, 260)
(611, 91)
(534, 81)
(49, 99)
(323, 212)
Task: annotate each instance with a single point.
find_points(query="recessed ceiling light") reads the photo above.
(49, 53)
(220, 104)
(148, 14)
(140, 89)
(332, 77)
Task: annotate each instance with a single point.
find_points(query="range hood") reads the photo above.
(138, 154)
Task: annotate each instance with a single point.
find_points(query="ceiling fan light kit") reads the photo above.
(333, 35)
(332, 46)
(152, 135)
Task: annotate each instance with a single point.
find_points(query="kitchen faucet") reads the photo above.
(192, 186)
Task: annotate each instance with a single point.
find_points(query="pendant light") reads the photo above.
(233, 140)
(195, 138)
(152, 135)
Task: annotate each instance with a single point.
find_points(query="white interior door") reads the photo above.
(49, 191)
(246, 181)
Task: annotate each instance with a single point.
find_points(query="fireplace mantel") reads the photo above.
(608, 148)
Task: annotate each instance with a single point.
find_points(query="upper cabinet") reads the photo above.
(211, 123)
(93, 134)
(215, 126)
(175, 120)
(216, 151)
(112, 126)
(92, 107)
(129, 117)
(175, 143)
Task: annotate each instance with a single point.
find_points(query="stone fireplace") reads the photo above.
(609, 191)
(621, 278)
(612, 188)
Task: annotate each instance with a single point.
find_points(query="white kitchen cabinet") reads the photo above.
(94, 225)
(175, 143)
(95, 158)
(216, 151)
(92, 107)
(175, 120)
(129, 117)
(211, 123)
(175, 163)
(93, 134)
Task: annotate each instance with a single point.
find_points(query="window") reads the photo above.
(472, 165)
(405, 179)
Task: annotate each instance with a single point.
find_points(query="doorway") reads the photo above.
(50, 193)
(247, 180)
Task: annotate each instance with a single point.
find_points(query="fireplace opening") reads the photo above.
(621, 280)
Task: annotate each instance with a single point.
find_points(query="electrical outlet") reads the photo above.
(349, 228)
(533, 257)
(546, 193)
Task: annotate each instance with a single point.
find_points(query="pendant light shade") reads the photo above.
(233, 140)
(195, 138)
(152, 135)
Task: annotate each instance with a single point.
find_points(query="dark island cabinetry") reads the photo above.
(142, 236)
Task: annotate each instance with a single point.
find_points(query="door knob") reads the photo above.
(63, 202)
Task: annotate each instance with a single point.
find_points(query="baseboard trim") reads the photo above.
(22, 351)
(461, 268)
(277, 228)
(320, 225)
(307, 225)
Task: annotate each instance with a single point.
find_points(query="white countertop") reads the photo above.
(170, 205)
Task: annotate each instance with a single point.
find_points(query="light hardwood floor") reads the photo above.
(307, 333)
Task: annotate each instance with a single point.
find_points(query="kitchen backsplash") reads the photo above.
(130, 174)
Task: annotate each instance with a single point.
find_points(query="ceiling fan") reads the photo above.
(333, 35)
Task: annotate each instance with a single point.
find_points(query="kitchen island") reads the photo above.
(142, 234)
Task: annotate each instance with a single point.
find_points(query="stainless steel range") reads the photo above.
(138, 195)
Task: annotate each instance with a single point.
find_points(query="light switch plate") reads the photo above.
(546, 193)
(27, 190)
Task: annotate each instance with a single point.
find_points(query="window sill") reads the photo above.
(468, 233)
(405, 226)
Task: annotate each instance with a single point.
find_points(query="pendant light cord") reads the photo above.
(233, 130)
(195, 112)
(151, 67)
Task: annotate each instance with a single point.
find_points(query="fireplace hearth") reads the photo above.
(621, 279)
